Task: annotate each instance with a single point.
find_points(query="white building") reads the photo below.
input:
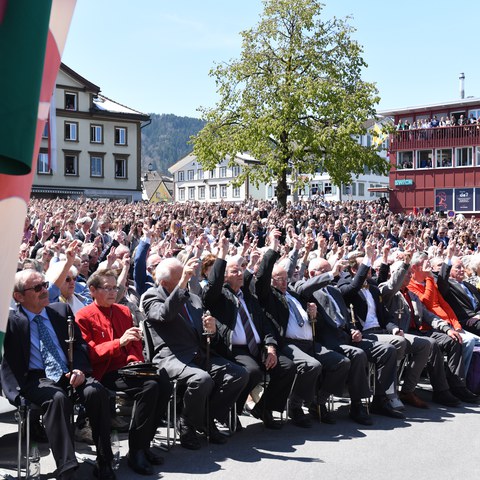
(192, 183)
(94, 149)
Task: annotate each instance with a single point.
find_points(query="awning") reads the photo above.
(57, 191)
(380, 189)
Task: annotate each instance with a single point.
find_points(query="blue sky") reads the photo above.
(155, 55)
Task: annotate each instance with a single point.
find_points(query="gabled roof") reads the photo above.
(105, 104)
(72, 73)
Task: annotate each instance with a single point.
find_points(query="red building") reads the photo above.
(436, 167)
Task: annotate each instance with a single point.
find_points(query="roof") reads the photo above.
(106, 104)
(72, 73)
(461, 102)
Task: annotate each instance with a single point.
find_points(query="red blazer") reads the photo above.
(102, 332)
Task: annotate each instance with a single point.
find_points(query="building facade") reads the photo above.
(436, 167)
(92, 147)
(192, 183)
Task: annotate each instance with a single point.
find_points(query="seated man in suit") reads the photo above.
(35, 366)
(335, 331)
(291, 317)
(448, 378)
(463, 297)
(243, 334)
(114, 342)
(372, 320)
(176, 321)
(423, 284)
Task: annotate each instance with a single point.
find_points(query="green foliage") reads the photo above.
(294, 99)
(165, 140)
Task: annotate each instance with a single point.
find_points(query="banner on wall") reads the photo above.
(464, 200)
(443, 199)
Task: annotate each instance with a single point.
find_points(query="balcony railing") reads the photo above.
(436, 137)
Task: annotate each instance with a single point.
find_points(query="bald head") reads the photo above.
(317, 266)
(279, 278)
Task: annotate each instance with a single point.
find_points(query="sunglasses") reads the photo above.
(38, 288)
(70, 279)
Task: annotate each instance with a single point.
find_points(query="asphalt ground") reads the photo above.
(438, 443)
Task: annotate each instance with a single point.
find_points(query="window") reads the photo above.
(213, 191)
(328, 189)
(223, 172)
(236, 170)
(120, 167)
(120, 136)
(201, 193)
(405, 160)
(71, 131)
(181, 194)
(223, 191)
(361, 189)
(70, 101)
(236, 191)
(424, 159)
(200, 174)
(443, 158)
(191, 193)
(212, 173)
(42, 164)
(463, 157)
(45, 130)
(71, 165)
(189, 174)
(181, 176)
(477, 153)
(96, 133)
(96, 165)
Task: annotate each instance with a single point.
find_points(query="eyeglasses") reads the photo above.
(70, 279)
(38, 288)
(109, 289)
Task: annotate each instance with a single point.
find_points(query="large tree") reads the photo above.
(294, 100)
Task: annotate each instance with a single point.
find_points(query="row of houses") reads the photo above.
(92, 148)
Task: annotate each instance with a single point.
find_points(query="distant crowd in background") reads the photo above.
(311, 295)
(434, 122)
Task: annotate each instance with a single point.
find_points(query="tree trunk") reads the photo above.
(282, 190)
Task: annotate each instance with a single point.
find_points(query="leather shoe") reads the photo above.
(188, 436)
(445, 398)
(325, 415)
(266, 417)
(154, 458)
(359, 414)
(410, 398)
(214, 436)
(138, 462)
(103, 470)
(381, 406)
(464, 394)
(299, 418)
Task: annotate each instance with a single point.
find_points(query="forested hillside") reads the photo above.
(165, 140)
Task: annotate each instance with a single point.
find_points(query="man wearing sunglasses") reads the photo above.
(35, 366)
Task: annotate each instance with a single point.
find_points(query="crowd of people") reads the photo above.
(220, 296)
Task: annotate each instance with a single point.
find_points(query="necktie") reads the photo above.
(54, 365)
(184, 313)
(339, 318)
(405, 294)
(293, 308)
(473, 301)
(251, 343)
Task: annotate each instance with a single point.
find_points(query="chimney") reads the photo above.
(462, 85)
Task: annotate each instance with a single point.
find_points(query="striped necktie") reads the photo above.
(251, 343)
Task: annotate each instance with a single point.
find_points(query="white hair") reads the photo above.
(165, 267)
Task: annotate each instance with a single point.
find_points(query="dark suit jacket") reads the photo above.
(327, 331)
(222, 302)
(455, 295)
(16, 358)
(351, 289)
(176, 340)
